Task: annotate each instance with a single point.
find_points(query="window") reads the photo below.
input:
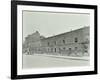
(55, 42)
(59, 49)
(55, 49)
(69, 49)
(76, 39)
(51, 49)
(63, 41)
(63, 48)
(48, 43)
(75, 48)
(48, 49)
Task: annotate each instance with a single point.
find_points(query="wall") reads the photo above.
(32, 43)
(5, 41)
(61, 43)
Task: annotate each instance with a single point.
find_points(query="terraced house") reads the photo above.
(72, 43)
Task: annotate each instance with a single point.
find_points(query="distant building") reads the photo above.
(73, 43)
(32, 43)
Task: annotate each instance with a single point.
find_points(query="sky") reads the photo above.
(51, 23)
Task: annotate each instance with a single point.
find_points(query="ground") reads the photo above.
(42, 61)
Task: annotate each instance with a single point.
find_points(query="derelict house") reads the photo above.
(32, 43)
(73, 43)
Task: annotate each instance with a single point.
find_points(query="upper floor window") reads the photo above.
(76, 39)
(75, 48)
(55, 42)
(48, 43)
(70, 49)
(63, 41)
(64, 48)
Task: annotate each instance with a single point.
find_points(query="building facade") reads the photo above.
(32, 43)
(73, 43)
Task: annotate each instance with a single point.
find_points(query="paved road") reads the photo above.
(39, 61)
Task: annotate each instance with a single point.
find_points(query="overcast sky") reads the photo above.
(50, 23)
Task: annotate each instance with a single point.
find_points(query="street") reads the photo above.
(41, 61)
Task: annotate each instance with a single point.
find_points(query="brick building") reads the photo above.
(73, 43)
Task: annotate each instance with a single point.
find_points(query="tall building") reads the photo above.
(73, 43)
(32, 43)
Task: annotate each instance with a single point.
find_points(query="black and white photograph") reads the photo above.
(53, 39)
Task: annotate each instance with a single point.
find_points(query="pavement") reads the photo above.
(46, 61)
(85, 58)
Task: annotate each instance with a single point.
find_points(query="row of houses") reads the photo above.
(72, 43)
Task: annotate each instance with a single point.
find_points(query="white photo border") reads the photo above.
(53, 70)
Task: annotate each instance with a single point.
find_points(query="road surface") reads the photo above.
(41, 61)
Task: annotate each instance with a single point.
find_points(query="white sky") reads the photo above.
(50, 23)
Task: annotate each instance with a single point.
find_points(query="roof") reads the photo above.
(65, 33)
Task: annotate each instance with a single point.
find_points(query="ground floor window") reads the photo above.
(55, 49)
